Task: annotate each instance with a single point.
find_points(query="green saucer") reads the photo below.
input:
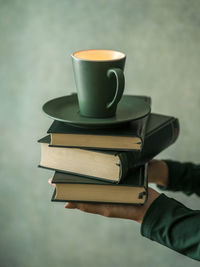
(66, 109)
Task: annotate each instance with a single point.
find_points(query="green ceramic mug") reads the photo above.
(99, 81)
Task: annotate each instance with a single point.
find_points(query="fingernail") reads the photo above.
(49, 181)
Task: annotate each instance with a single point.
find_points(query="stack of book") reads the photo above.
(105, 165)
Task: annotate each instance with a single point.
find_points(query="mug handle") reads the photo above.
(120, 85)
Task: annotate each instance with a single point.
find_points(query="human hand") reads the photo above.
(122, 211)
(157, 173)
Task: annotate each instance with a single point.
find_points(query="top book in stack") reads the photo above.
(129, 137)
(126, 137)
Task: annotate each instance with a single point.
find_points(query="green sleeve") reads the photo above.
(183, 177)
(173, 225)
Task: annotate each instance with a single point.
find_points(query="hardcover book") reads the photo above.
(106, 165)
(133, 190)
(129, 136)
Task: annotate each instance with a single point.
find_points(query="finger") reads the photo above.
(70, 205)
(50, 182)
(109, 210)
(100, 209)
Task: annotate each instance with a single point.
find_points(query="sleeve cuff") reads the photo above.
(175, 170)
(173, 225)
(157, 215)
(182, 177)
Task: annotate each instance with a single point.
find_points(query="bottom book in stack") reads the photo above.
(131, 190)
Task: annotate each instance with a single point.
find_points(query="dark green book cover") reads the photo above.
(162, 131)
(136, 177)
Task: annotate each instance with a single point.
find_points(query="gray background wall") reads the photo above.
(162, 43)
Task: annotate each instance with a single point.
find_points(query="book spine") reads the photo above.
(123, 166)
(176, 130)
(142, 131)
(155, 143)
(144, 176)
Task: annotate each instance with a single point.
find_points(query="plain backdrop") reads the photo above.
(161, 40)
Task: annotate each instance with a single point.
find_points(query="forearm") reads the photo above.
(171, 224)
